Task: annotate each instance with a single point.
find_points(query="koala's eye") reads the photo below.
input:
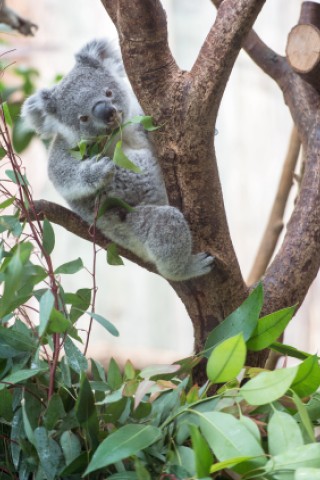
(84, 118)
(108, 93)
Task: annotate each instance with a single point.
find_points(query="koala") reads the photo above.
(92, 100)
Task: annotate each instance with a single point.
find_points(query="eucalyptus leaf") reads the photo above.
(268, 386)
(105, 323)
(48, 240)
(49, 452)
(243, 320)
(229, 438)
(46, 305)
(307, 379)
(70, 267)
(203, 455)
(75, 358)
(113, 257)
(283, 433)
(269, 329)
(124, 442)
(227, 359)
(121, 159)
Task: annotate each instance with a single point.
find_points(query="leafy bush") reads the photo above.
(59, 421)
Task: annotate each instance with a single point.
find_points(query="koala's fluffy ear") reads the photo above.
(38, 112)
(99, 53)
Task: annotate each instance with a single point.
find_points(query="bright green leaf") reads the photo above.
(268, 386)
(124, 442)
(269, 329)
(227, 359)
(203, 455)
(121, 160)
(146, 121)
(58, 323)
(283, 433)
(228, 463)
(307, 380)
(243, 320)
(70, 267)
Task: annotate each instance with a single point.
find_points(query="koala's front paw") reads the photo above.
(97, 171)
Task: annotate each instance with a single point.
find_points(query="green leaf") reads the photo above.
(307, 379)
(268, 386)
(105, 323)
(227, 359)
(8, 202)
(58, 323)
(146, 121)
(3, 153)
(114, 377)
(49, 452)
(46, 305)
(292, 459)
(228, 464)
(70, 267)
(55, 412)
(304, 417)
(26, 423)
(121, 160)
(17, 178)
(229, 438)
(17, 340)
(6, 113)
(21, 135)
(6, 406)
(76, 360)
(269, 329)
(283, 433)
(86, 412)
(48, 237)
(124, 442)
(113, 258)
(243, 320)
(203, 455)
(20, 376)
(71, 446)
(288, 350)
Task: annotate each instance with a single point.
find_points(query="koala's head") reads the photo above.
(91, 100)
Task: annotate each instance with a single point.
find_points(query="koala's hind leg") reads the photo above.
(166, 238)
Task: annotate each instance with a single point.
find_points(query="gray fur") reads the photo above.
(79, 108)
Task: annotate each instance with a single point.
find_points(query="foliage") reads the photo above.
(59, 421)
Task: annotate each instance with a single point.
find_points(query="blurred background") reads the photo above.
(253, 127)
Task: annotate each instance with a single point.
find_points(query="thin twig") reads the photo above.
(275, 222)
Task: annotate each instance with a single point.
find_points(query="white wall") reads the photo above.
(254, 127)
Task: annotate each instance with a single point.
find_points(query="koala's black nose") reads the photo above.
(103, 111)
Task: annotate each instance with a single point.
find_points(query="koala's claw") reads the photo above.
(202, 263)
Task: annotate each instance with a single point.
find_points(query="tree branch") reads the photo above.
(73, 223)
(15, 21)
(275, 222)
(213, 66)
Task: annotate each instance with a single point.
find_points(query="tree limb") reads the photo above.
(15, 21)
(215, 61)
(73, 223)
